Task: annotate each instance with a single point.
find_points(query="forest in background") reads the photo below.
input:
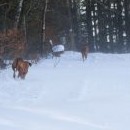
(27, 25)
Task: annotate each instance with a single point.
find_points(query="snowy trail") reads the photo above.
(40, 116)
(93, 95)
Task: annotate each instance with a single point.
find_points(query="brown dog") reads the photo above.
(21, 66)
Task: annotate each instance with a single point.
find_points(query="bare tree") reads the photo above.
(71, 30)
(44, 24)
(17, 17)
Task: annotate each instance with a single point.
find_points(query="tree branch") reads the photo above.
(3, 4)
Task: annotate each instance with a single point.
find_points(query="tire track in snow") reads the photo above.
(60, 116)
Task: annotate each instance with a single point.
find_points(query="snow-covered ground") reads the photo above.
(74, 95)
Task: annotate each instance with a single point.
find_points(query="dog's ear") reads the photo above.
(30, 64)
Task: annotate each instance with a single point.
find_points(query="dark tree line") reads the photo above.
(107, 25)
(102, 24)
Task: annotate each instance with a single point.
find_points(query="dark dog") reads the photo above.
(84, 52)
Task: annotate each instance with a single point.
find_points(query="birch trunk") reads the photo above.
(17, 17)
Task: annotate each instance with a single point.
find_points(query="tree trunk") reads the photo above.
(17, 17)
(71, 31)
(44, 26)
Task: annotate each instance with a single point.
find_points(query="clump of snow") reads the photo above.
(58, 48)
